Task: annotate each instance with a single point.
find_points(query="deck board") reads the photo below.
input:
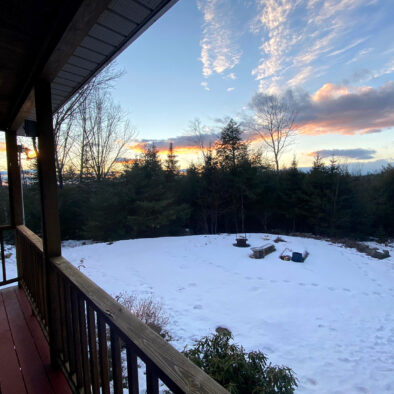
(57, 379)
(24, 351)
(11, 379)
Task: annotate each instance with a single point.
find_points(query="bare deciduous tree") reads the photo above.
(64, 120)
(106, 131)
(274, 121)
(202, 137)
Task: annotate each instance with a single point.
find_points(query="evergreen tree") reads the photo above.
(231, 150)
(155, 209)
(171, 163)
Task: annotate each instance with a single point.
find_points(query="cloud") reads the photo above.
(124, 160)
(388, 68)
(346, 109)
(204, 84)
(360, 54)
(301, 77)
(219, 49)
(361, 75)
(230, 89)
(357, 153)
(232, 76)
(346, 48)
(272, 19)
(181, 144)
(295, 34)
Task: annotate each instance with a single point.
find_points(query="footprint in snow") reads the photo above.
(311, 381)
(197, 306)
(362, 389)
(301, 284)
(192, 284)
(345, 289)
(344, 359)
(255, 288)
(315, 284)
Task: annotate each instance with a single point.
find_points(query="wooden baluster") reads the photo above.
(132, 370)
(116, 361)
(84, 345)
(63, 320)
(103, 353)
(3, 257)
(69, 329)
(41, 259)
(92, 335)
(77, 337)
(152, 380)
(40, 285)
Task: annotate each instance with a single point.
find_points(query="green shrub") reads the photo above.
(238, 371)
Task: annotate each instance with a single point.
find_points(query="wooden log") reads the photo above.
(262, 251)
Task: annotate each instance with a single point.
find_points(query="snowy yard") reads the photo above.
(330, 319)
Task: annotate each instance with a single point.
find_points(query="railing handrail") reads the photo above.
(175, 366)
(31, 236)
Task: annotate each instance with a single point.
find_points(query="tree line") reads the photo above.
(232, 191)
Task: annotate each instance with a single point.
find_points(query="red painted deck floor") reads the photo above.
(24, 351)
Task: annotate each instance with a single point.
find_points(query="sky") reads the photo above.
(206, 59)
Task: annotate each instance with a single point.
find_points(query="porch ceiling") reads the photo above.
(64, 41)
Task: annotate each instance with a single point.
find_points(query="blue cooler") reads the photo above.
(297, 257)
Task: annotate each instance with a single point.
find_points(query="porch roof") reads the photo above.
(66, 42)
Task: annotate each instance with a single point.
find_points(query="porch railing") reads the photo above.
(33, 272)
(6, 279)
(99, 344)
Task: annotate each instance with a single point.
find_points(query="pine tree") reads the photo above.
(171, 163)
(231, 150)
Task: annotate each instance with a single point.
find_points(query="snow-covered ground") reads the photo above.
(331, 319)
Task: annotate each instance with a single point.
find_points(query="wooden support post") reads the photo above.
(14, 179)
(49, 209)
